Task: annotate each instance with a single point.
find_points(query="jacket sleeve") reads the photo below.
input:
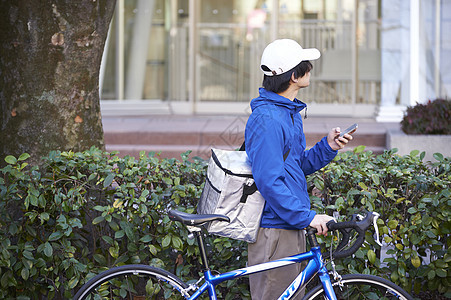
(264, 138)
(317, 157)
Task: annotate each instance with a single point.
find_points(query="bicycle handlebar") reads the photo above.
(345, 228)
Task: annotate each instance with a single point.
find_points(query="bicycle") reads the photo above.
(134, 281)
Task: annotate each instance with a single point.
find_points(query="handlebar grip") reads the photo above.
(351, 250)
(346, 234)
(345, 228)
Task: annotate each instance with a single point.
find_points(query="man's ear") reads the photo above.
(293, 78)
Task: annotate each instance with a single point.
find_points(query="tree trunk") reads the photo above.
(50, 55)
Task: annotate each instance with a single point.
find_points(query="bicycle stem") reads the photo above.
(311, 235)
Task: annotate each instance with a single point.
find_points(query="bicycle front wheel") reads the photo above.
(360, 286)
(133, 282)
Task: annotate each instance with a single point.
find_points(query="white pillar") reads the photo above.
(437, 49)
(193, 49)
(137, 63)
(120, 50)
(274, 30)
(355, 55)
(394, 60)
(103, 62)
(392, 64)
(414, 52)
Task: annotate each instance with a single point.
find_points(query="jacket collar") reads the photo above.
(268, 97)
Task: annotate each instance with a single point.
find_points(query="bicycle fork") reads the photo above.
(320, 266)
(327, 284)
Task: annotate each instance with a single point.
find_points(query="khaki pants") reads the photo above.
(271, 244)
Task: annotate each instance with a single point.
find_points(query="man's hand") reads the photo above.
(335, 141)
(319, 222)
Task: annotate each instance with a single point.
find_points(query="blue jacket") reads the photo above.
(273, 128)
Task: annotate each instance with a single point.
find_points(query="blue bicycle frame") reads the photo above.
(315, 265)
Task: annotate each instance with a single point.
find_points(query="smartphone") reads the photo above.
(351, 129)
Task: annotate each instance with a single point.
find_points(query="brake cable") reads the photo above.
(337, 277)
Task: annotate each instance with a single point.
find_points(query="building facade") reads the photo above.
(202, 56)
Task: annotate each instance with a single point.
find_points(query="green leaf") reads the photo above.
(48, 250)
(41, 201)
(166, 241)
(430, 234)
(145, 239)
(177, 242)
(412, 210)
(392, 224)
(98, 220)
(431, 274)
(127, 227)
(100, 259)
(73, 282)
(371, 256)
(44, 217)
(108, 180)
(414, 153)
(25, 273)
(375, 178)
(99, 208)
(28, 255)
(438, 156)
(108, 218)
(114, 226)
(422, 155)
(359, 149)
(416, 262)
(440, 273)
(167, 180)
(447, 258)
(119, 234)
(8, 279)
(55, 236)
(92, 176)
(145, 193)
(118, 203)
(33, 200)
(23, 156)
(114, 252)
(153, 250)
(108, 239)
(363, 186)
(11, 160)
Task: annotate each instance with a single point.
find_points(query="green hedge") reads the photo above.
(413, 199)
(82, 213)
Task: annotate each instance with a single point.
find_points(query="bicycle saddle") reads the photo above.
(193, 219)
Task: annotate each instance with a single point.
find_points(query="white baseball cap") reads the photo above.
(283, 55)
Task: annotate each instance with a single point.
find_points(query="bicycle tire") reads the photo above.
(360, 286)
(133, 282)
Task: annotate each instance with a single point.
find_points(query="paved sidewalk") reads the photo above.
(176, 133)
(203, 123)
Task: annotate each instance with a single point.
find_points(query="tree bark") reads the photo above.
(50, 55)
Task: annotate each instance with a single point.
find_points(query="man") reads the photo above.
(275, 144)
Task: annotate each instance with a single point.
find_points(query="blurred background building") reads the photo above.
(202, 56)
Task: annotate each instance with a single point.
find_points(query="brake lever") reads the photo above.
(376, 229)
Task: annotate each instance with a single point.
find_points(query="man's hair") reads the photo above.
(280, 83)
